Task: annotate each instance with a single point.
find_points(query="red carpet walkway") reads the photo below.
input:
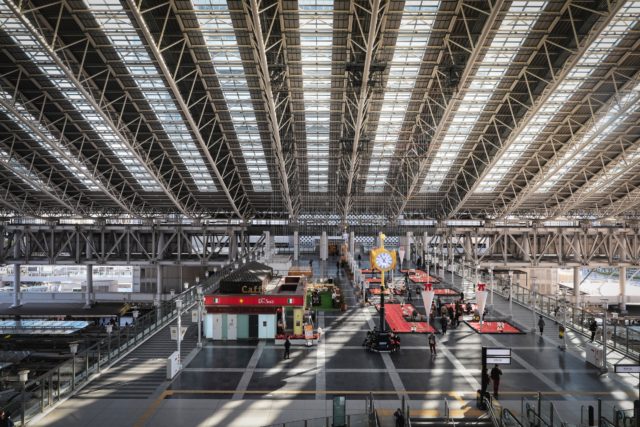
(394, 315)
(492, 328)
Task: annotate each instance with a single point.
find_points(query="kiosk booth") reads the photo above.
(245, 316)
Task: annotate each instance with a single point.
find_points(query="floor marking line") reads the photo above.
(251, 366)
(321, 376)
(398, 385)
(151, 409)
(390, 392)
(551, 384)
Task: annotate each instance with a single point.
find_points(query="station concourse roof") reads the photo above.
(354, 111)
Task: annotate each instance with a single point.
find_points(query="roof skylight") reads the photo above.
(506, 44)
(125, 40)
(217, 29)
(316, 41)
(593, 137)
(30, 46)
(413, 37)
(80, 172)
(597, 52)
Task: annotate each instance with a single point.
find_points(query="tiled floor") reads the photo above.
(244, 384)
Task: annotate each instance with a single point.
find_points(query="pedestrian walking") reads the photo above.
(593, 327)
(338, 267)
(432, 344)
(5, 419)
(541, 324)
(409, 298)
(496, 372)
(399, 417)
(439, 304)
(287, 347)
(444, 320)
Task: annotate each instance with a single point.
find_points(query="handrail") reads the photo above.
(532, 416)
(605, 422)
(48, 389)
(492, 412)
(508, 419)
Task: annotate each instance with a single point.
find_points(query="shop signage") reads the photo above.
(253, 300)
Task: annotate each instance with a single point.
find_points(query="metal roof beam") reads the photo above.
(279, 113)
(238, 200)
(52, 50)
(575, 144)
(108, 189)
(555, 79)
(351, 163)
(413, 175)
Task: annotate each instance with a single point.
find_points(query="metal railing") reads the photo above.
(540, 413)
(508, 419)
(495, 419)
(620, 337)
(41, 393)
(353, 420)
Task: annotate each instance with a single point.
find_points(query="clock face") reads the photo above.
(384, 260)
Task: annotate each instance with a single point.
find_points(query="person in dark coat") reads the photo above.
(5, 419)
(541, 324)
(593, 327)
(444, 320)
(496, 372)
(287, 347)
(432, 344)
(399, 417)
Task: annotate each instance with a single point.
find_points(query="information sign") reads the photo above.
(498, 361)
(504, 352)
(626, 369)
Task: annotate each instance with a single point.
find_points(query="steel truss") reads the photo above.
(368, 19)
(425, 137)
(178, 244)
(196, 106)
(576, 144)
(485, 158)
(64, 56)
(119, 192)
(265, 23)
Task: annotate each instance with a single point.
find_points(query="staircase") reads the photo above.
(141, 372)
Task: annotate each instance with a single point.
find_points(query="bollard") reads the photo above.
(591, 417)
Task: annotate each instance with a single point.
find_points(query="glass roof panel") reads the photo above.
(593, 137)
(116, 25)
(511, 34)
(42, 60)
(413, 37)
(81, 172)
(596, 53)
(316, 41)
(217, 29)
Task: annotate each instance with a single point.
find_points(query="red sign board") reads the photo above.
(253, 300)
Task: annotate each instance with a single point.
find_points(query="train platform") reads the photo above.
(247, 383)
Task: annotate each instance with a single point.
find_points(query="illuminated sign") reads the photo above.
(254, 300)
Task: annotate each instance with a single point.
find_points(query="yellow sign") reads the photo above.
(297, 321)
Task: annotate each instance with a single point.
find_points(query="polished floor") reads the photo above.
(249, 384)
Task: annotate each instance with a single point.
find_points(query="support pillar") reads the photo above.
(296, 246)
(267, 245)
(324, 247)
(352, 244)
(576, 286)
(623, 288)
(88, 295)
(233, 246)
(425, 248)
(16, 286)
(159, 282)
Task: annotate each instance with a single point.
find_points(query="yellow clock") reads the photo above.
(383, 259)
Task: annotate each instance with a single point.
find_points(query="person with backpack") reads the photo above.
(399, 417)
